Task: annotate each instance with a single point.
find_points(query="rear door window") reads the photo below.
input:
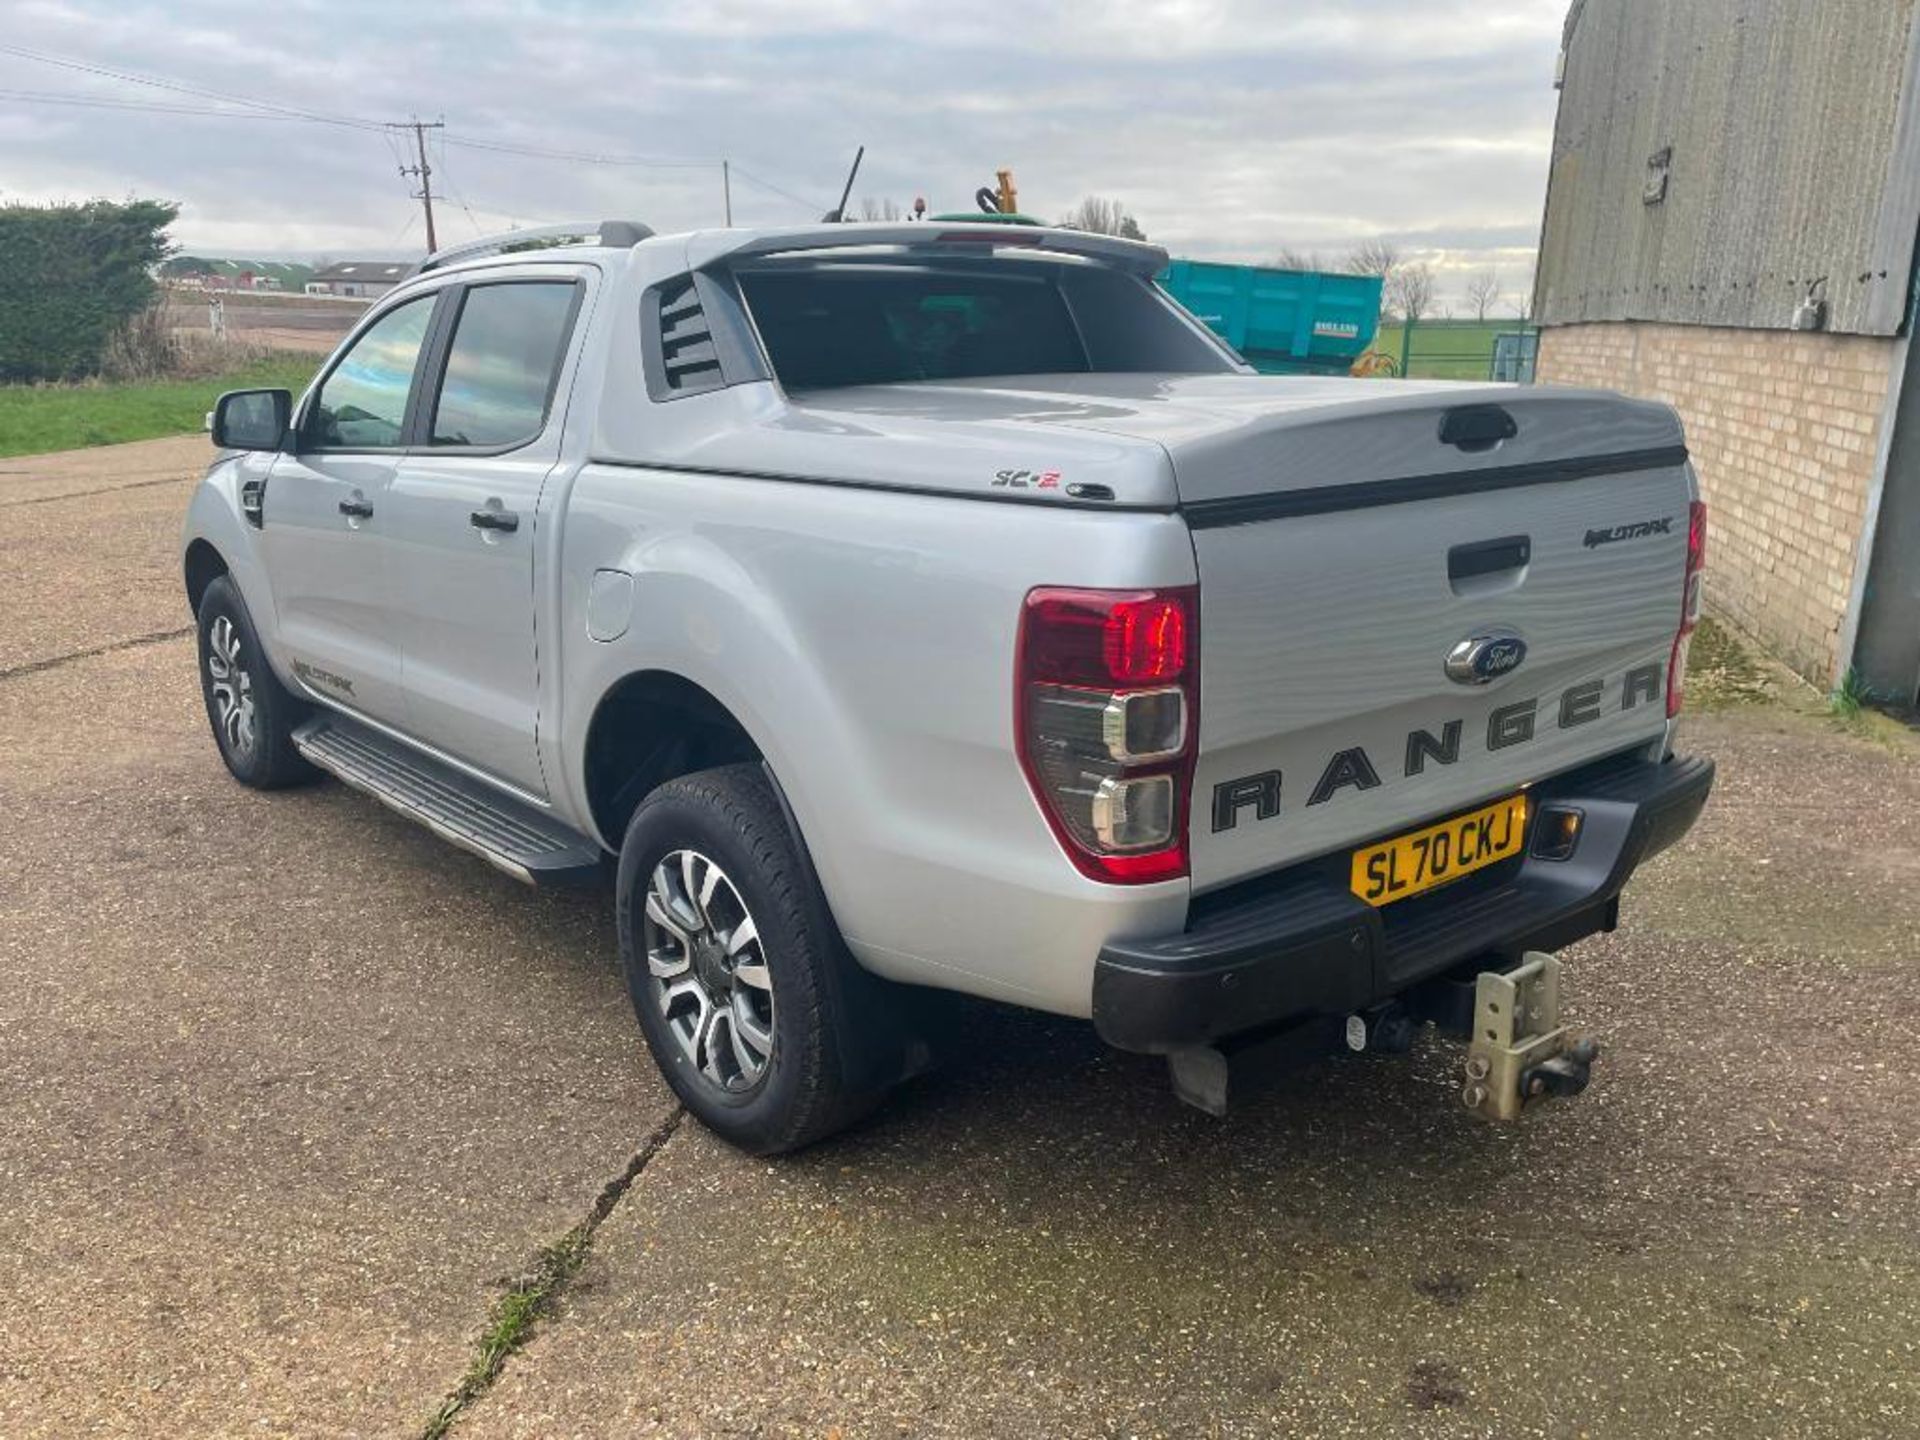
(503, 363)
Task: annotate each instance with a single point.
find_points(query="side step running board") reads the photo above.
(513, 837)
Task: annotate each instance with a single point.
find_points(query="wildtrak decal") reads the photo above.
(314, 675)
(1515, 723)
(1639, 531)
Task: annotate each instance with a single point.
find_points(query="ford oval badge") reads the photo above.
(1482, 659)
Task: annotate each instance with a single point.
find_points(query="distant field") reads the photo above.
(37, 418)
(1447, 349)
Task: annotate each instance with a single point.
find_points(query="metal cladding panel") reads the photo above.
(1793, 133)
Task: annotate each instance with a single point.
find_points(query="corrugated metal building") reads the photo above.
(1731, 220)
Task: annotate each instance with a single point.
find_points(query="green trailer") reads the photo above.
(1284, 322)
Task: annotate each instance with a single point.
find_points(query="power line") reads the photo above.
(293, 112)
(538, 152)
(272, 110)
(158, 107)
(178, 87)
(541, 152)
(748, 175)
(446, 181)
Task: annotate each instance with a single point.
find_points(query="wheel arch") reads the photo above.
(201, 566)
(652, 726)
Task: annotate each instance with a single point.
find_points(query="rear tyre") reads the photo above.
(252, 714)
(738, 977)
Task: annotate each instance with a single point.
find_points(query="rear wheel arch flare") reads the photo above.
(651, 727)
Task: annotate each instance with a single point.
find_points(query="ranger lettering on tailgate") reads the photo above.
(1508, 725)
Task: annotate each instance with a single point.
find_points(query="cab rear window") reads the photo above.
(846, 325)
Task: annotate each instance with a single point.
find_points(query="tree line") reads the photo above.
(1095, 214)
(73, 278)
(1407, 290)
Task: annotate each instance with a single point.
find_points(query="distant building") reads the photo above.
(1730, 225)
(362, 278)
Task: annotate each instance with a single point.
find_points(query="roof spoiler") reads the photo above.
(709, 246)
(615, 234)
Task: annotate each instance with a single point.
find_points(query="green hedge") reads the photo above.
(70, 275)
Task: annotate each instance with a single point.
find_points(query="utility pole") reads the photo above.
(423, 171)
(726, 186)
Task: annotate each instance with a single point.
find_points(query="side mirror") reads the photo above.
(251, 419)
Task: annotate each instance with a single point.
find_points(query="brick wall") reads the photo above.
(1783, 427)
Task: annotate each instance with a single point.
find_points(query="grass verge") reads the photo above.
(518, 1312)
(35, 419)
(1722, 672)
(1849, 697)
(1447, 349)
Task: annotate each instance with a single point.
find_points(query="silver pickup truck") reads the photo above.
(895, 608)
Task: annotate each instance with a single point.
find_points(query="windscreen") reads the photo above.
(833, 324)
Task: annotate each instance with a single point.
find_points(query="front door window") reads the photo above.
(362, 404)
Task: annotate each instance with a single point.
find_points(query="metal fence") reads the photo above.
(1457, 350)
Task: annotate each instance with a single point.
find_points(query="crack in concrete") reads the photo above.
(103, 490)
(516, 1315)
(34, 667)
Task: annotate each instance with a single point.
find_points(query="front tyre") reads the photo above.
(251, 712)
(733, 963)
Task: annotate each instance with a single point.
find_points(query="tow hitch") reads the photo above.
(1519, 1051)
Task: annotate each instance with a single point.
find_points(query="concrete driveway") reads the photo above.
(294, 1095)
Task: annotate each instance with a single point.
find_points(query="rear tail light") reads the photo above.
(1689, 607)
(1105, 719)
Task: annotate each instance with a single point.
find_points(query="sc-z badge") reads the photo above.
(1027, 479)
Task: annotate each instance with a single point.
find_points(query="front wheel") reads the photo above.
(252, 714)
(733, 963)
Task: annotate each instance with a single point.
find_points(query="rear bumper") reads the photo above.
(1300, 943)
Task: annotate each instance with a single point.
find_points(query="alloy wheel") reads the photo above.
(709, 970)
(232, 687)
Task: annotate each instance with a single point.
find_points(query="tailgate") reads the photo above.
(1329, 613)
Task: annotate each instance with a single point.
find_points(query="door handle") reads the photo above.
(504, 520)
(357, 508)
(1477, 427)
(1488, 557)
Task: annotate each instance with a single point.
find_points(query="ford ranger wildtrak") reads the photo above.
(890, 608)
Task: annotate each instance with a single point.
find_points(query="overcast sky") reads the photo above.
(1231, 128)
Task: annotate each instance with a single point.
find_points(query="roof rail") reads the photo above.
(612, 233)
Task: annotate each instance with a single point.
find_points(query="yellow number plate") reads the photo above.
(1409, 864)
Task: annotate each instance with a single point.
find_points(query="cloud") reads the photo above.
(1232, 128)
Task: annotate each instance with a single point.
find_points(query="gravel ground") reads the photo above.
(293, 1091)
(93, 547)
(1722, 1238)
(289, 1087)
